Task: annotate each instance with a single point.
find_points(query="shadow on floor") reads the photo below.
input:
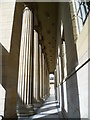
(49, 110)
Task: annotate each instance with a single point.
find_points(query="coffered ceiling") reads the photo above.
(47, 16)
(45, 21)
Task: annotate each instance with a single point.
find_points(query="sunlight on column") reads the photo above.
(65, 97)
(29, 55)
(40, 62)
(43, 71)
(20, 68)
(65, 59)
(61, 28)
(2, 100)
(36, 81)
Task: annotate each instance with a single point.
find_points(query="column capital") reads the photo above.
(40, 42)
(37, 28)
(43, 49)
(40, 39)
(32, 6)
(25, 8)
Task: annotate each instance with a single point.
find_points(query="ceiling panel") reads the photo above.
(47, 15)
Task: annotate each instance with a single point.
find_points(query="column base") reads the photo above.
(45, 97)
(37, 104)
(42, 100)
(25, 110)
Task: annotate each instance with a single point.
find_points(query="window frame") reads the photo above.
(83, 18)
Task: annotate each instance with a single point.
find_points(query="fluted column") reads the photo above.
(43, 75)
(55, 85)
(58, 75)
(60, 72)
(45, 80)
(36, 87)
(48, 83)
(58, 80)
(41, 71)
(25, 66)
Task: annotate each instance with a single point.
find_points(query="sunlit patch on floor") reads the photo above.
(51, 102)
(50, 109)
(48, 106)
(47, 113)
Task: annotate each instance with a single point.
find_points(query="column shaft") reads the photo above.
(36, 68)
(43, 73)
(25, 65)
(41, 76)
(44, 78)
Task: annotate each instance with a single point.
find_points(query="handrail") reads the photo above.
(2, 117)
(75, 71)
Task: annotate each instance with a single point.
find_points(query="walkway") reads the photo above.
(50, 109)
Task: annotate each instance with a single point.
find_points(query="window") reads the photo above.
(82, 11)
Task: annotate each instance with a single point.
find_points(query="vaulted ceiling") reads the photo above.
(47, 15)
(45, 18)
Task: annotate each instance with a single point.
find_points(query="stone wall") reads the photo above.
(10, 35)
(75, 88)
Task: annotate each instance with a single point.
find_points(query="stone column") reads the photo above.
(43, 75)
(41, 72)
(25, 83)
(48, 83)
(55, 85)
(36, 68)
(60, 72)
(45, 80)
(58, 80)
(58, 75)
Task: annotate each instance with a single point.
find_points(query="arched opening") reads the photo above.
(51, 78)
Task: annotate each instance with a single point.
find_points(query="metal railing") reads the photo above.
(1, 117)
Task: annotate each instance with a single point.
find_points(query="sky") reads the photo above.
(51, 75)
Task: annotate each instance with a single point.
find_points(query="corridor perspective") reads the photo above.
(44, 60)
(47, 109)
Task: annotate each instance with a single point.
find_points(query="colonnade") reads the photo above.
(41, 73)
(60, 74)
(33, 76)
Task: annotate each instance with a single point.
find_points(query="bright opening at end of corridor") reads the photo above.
(51, 78)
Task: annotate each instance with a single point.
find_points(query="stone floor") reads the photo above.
(49, 110)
